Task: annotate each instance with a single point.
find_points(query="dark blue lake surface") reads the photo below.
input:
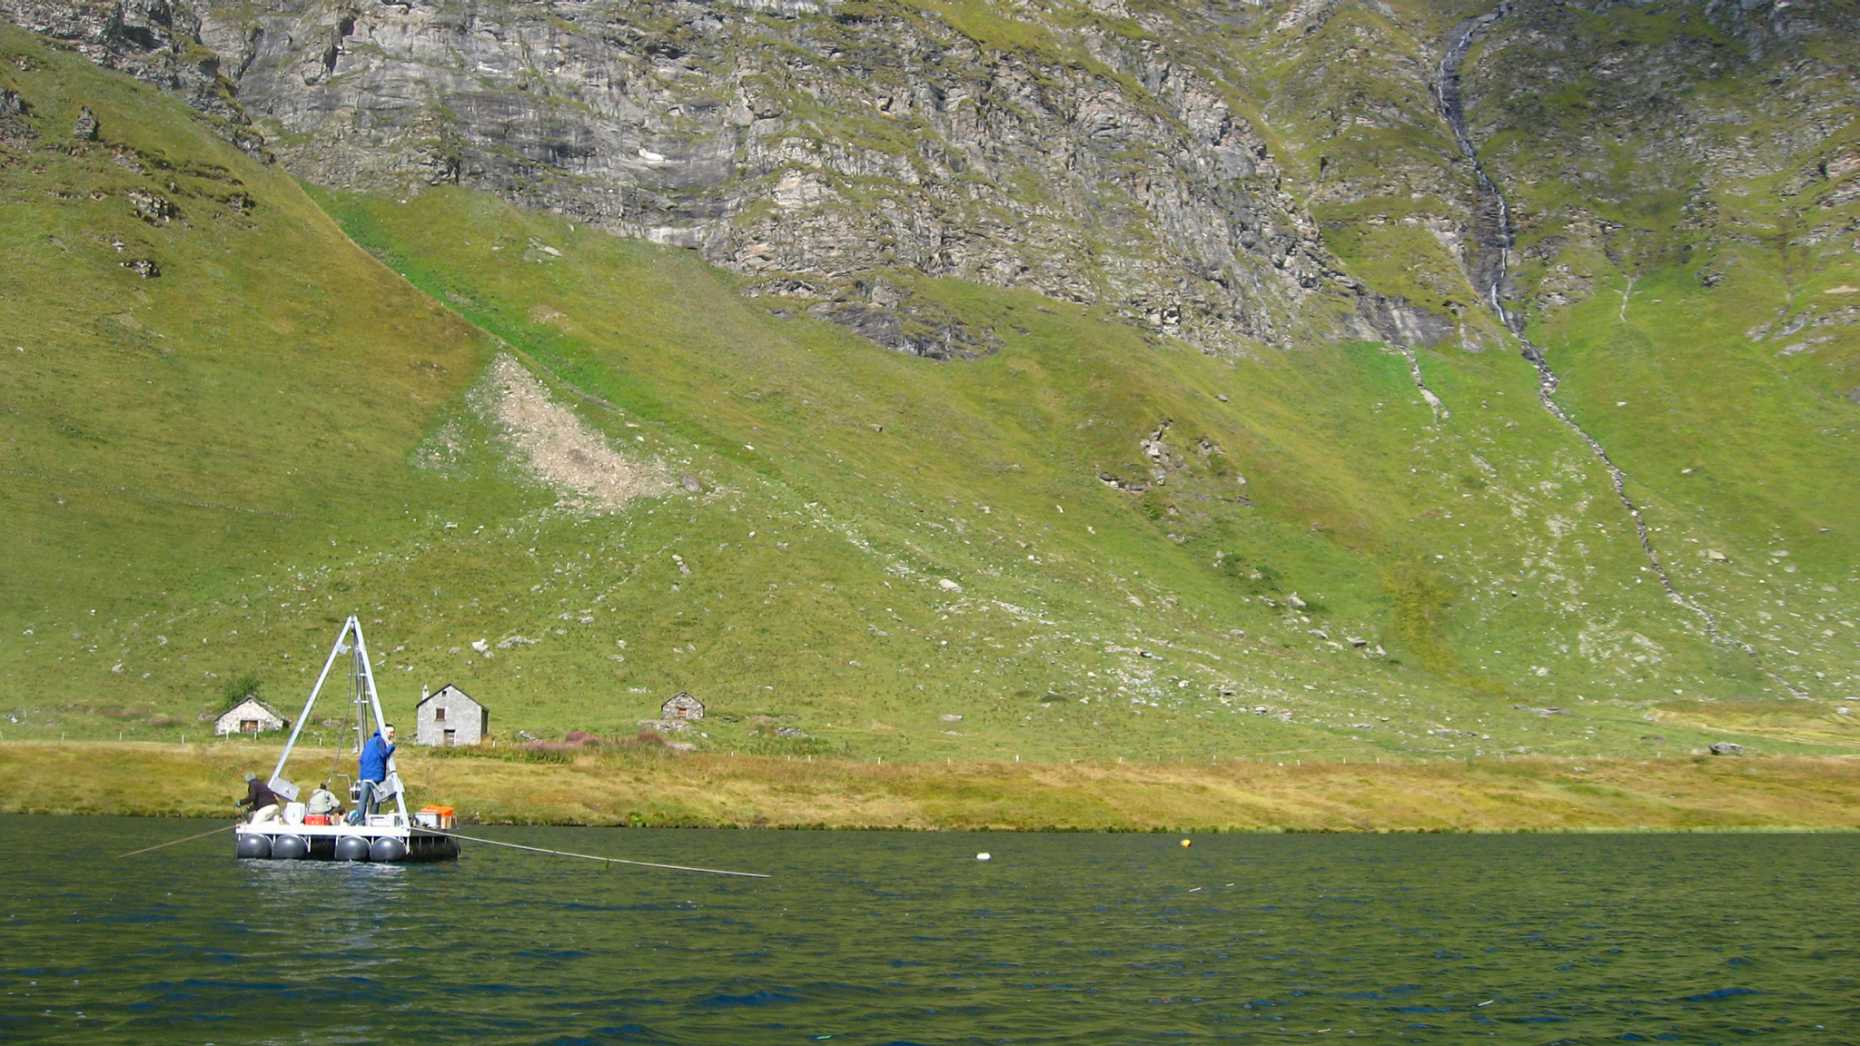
(906, 937)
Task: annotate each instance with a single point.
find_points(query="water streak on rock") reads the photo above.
(1488, 265)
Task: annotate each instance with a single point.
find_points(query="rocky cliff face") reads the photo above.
(1696, 128)
(152, 40)
(1229, 172)
(809, 145)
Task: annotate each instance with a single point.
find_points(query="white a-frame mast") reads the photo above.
(365, 672)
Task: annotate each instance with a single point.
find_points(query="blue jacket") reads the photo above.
(375, 757)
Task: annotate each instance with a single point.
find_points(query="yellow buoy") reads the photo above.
(1186, 843)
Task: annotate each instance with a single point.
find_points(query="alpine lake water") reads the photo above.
(895, 937)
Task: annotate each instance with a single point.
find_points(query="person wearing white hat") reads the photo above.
(323, 802)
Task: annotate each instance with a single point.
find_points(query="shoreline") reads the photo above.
(661, 790)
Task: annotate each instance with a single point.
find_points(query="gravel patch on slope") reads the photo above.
(561, 450)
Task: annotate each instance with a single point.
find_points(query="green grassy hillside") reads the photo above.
(1695, 283)
(574, 474)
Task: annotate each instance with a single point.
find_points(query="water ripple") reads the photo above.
(898, 938)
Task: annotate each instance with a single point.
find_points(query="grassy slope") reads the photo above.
(165, 437)
(989, 487)
(842, 484)
(241, 400)
(1734, 441)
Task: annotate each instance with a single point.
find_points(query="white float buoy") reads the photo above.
(984, 856)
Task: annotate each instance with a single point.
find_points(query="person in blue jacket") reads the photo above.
(373, 770)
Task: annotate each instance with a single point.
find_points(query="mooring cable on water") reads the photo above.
(591, 857)
(487, 842)
(177, 842)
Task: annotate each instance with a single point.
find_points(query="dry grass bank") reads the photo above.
(659, 789)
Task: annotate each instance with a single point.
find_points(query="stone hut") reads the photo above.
(682, 706)
(449, 717)
(250, 716)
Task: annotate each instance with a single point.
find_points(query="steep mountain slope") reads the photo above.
(1667, 215)
(804, 148)
(185, 331)
(621, 471)
(201, 374)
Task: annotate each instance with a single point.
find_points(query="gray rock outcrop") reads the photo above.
(153, 40)
(1139, 158)
(807, 144)
(14, 125)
